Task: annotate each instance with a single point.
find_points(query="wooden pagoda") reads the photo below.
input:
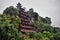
(25, 25)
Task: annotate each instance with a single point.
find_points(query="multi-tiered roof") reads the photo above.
(25, 25)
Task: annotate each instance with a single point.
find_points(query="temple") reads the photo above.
(25, 25)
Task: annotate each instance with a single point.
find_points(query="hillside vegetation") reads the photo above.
(9, 26)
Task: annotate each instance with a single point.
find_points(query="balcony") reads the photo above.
(25, 30)
(25, 20)
(23, 15)
(24, 23)
(24, 26)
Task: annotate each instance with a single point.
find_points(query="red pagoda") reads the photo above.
(25, 25)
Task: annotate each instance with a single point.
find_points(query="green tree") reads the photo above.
(9, 26)
(57, 36)
(48, 20)
(32, 14)
(11, 11)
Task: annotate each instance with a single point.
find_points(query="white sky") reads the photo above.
(50, 8)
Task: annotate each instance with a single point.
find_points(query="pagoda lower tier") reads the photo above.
(26, 28)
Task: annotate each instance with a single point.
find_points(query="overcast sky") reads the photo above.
(50, 8)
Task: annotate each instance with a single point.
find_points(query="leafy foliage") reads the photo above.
(32, 14)
(9, 25)
(11, 11)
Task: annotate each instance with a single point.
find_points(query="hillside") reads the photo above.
(10, 29)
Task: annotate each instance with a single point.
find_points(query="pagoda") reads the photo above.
(25, 25)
